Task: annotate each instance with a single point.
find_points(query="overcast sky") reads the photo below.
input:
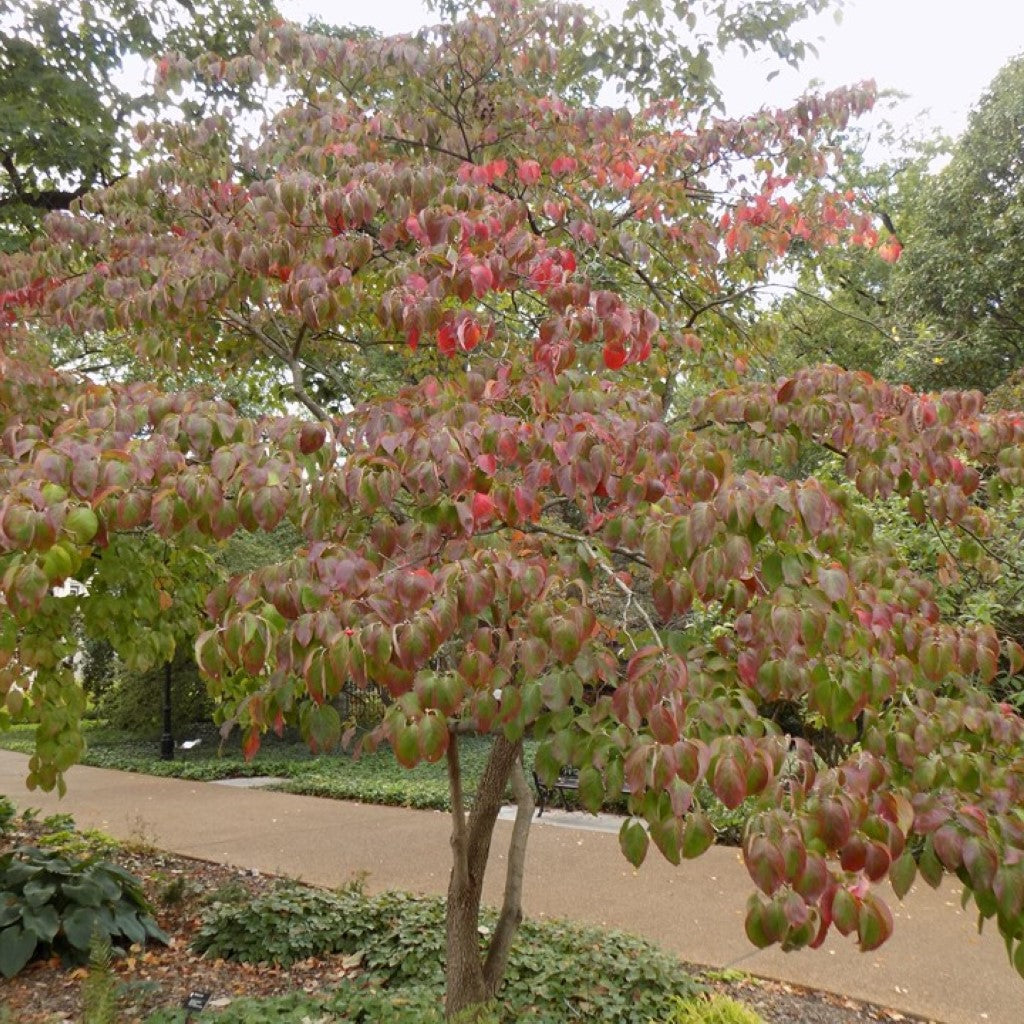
(942, 53)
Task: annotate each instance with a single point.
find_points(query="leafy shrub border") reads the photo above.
(556, 971)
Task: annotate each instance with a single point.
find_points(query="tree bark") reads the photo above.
(470, 980)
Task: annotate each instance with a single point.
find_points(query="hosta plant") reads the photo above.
(55, 905)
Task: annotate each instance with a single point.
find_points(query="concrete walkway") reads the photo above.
(936, 964)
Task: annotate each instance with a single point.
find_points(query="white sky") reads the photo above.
(942, 53)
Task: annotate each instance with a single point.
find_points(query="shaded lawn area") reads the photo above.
(375, 778)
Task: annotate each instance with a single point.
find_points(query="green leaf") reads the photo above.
(546, 764)
(591, 789)
(614, 778)
(129, 925)
(874, 923)
(37, 892)
(1018, 959)
(633, 840)
(43, 922)
(902, 873)
(771, 570)
(406, 745)
(16, 948)
(929, 865)
(698, 834)
(844, 911)
(153, 930)
(78, 927)
(755, 924)
(10, 909)
(666, 835)
(86, 893)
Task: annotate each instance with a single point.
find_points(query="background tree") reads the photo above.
(531, 531)
(837, 305)
(960, 278)
(126, 687)
(66, 126)
(944, 309)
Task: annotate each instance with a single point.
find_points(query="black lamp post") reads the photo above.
(167, 740)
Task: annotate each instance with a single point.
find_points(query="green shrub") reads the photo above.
(58, 834)
(713, 1010)
(69, 842)
(556, 971)
(55, 904)
(8, 812)
(133, 701)
(286, 924)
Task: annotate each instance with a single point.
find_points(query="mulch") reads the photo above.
(159, 976)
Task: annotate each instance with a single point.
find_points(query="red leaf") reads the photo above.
(469, 334)
(891, 250)
(765, 864)
(482, 277)
(729, 783)
(251, 744)
(563, 165)
(614, 355)
(311, 438)
(447, 341)
(528, 171)
(483, 508)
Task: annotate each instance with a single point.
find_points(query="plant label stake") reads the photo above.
(196, 1002)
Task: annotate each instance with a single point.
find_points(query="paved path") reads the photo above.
(935, 965)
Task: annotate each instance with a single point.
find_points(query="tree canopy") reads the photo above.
(526, 527)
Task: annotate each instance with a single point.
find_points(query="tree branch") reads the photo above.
(627, 591)
(633, 556)
(288, 356)
(459, 864)
(835, 309)
(512, 905)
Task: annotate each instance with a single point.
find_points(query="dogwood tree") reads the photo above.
(488, 297)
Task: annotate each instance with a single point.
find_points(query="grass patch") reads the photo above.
(716, 1010)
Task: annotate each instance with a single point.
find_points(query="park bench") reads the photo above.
(568, 781)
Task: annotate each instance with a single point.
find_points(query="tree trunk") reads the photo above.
(470, 980)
